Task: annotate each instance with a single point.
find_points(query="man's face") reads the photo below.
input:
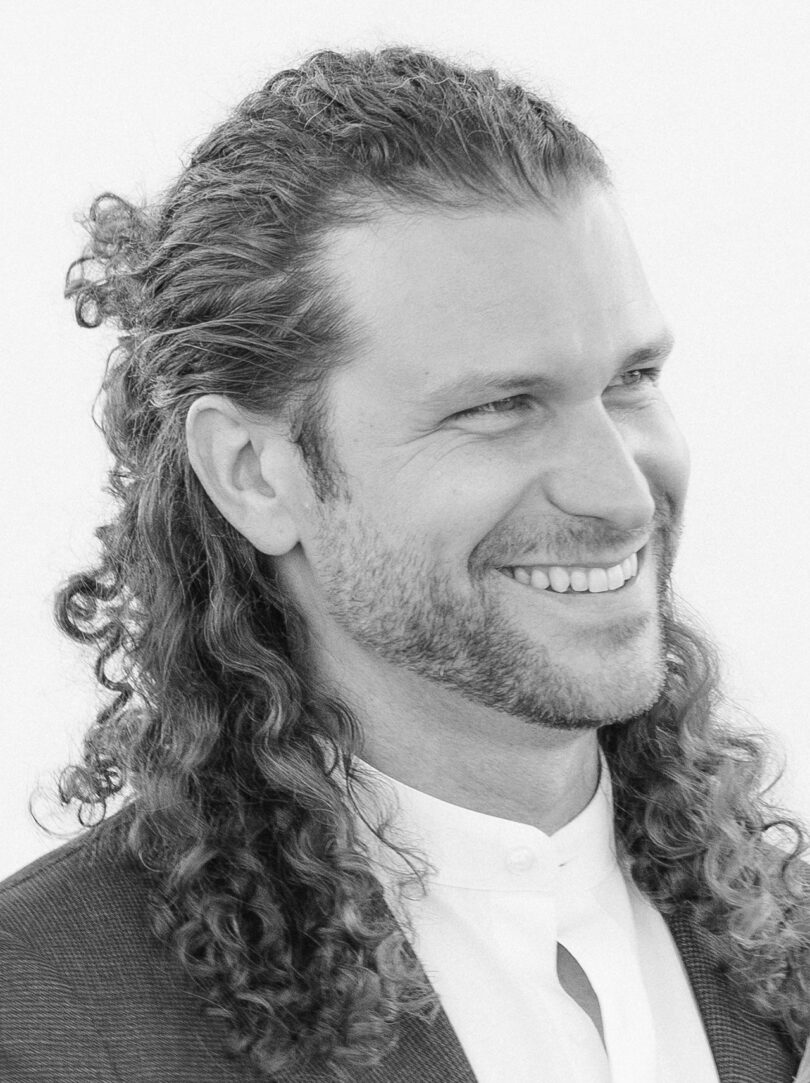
(505, 445)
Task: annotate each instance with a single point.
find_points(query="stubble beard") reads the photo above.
(401, 606)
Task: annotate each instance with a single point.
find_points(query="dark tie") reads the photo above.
(575, 982)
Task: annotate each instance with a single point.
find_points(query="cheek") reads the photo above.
(664, 458)
(451, 507)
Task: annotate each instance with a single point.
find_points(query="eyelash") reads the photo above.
(497, 406)
(647, 376)
(514, 402)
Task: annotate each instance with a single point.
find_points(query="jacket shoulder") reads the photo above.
(89, 992)
(82, 881)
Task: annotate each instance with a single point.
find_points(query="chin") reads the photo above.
(587, 688)
(620, 689)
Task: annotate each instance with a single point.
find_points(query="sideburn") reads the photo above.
(310, 435)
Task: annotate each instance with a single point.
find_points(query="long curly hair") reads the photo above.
(238, 766)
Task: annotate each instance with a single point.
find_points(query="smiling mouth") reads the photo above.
(575, 579)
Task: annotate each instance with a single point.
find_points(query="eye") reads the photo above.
(508, 405)
(638, 377)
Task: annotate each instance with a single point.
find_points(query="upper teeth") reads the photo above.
(593, 580)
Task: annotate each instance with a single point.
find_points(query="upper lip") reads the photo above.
(607, 562)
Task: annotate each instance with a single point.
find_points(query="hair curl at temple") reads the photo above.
(237, 767)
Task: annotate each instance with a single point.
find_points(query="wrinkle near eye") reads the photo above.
(431, 455)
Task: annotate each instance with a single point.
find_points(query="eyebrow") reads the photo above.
(486, 382)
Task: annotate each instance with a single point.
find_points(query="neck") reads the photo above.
(542, 786)
(434, 740)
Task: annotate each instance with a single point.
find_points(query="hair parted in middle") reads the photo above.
(236, 765)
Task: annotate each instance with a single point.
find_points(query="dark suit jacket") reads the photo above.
(88, 995)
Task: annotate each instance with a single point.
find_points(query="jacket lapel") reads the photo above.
(425, 1051)
(746, 1048)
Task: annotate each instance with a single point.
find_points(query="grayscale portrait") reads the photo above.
(405, 548)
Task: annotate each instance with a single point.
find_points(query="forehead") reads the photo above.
(432, 294)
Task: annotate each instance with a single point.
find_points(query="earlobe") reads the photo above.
(247, 471)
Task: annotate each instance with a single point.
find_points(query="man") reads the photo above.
(425, 777)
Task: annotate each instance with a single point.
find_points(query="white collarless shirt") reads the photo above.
(486, 932)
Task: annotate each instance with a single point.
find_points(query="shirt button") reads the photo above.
(520, 859)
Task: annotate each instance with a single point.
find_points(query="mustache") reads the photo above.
(569, 540)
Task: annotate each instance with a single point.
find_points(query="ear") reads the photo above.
(248, 469)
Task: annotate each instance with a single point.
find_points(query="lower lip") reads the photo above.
(624, 591)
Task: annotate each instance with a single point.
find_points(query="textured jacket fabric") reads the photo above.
(89, 996)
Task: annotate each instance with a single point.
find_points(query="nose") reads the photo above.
(593, 471)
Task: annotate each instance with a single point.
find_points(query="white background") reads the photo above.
(703, 112)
